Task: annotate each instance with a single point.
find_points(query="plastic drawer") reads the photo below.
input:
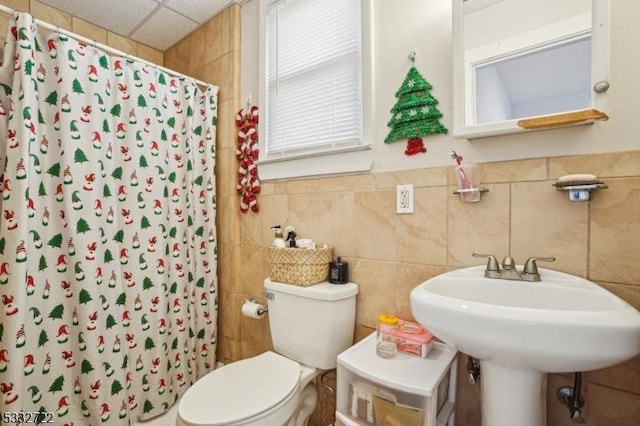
(404, 391)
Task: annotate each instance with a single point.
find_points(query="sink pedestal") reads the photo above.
(512, 397)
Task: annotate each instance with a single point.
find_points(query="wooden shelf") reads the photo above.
(564, 119)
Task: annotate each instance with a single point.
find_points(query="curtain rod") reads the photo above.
(104, 47)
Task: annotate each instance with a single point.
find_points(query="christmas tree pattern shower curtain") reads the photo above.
(107, 232)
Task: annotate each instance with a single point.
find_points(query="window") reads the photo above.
(312, 88)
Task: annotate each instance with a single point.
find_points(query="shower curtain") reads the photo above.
(107, 233)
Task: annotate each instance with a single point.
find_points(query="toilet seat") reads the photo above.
(240, 390)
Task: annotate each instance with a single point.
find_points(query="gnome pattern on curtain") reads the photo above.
(107, 232)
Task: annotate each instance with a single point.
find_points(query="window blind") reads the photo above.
(313, 76)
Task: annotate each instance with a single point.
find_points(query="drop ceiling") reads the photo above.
(156, 23)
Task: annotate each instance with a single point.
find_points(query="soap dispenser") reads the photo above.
(291, 236)
(338, 272)
(278, 240)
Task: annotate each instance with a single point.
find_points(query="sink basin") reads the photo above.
(522, 330)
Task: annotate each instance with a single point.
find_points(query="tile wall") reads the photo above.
(389, 254)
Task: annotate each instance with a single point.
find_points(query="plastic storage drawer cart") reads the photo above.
(402, 391)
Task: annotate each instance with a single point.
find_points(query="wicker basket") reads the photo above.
(300, 266)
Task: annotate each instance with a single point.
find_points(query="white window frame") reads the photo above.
(317, 163)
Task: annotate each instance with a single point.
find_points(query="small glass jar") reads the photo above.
(385, 344)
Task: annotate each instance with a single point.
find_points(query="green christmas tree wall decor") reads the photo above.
(415, 113)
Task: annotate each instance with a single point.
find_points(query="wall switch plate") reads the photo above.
(404, 199)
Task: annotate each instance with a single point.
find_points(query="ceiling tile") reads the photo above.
(157, 23)
(198, 10)
(119, 16)
(164, 29)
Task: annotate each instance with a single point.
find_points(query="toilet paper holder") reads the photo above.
(263, 310)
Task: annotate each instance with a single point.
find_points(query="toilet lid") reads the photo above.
(240, 390)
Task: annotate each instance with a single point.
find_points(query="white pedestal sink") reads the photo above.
(522, 330)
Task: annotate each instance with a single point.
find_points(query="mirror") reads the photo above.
(525, 65)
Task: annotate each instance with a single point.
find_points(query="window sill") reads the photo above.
(317, 165)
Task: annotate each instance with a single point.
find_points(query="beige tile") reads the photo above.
(377, 286)
(234, 28)
(408, 276)
(423, 235)
(327, 218)
(226, 135)
(267, 188)
(627, 292)
(150, 54)
(615, 226)
(481, 227)
(251, 228)
(51, 15)
(607, 406)
(231, 82)
(18, 5)
(545, 223)
(224, 213)
(170, 58)
(514, 171)
(214, 37)
(616, 164)
(212, 72)
(232, 283)
(362, 182)
(434, 176)
(217, 72)
(273, 211)
(89, 30)
(122, 43)
(225, 32)
(624, 376)
(375, 235)
(196, 60)
(227, 350)
(234, 72)
(361, 332)
(5, 21)
(224, 267)
(251, 273)
(183, 55)
(228, 315)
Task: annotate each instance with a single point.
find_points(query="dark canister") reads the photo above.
(338, 272)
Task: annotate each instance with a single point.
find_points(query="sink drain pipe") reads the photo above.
(571, 398)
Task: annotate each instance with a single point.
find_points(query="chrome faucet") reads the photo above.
(509, 270)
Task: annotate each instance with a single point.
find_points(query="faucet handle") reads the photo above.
(530, 266)
(492, 262)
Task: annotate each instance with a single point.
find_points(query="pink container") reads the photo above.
(409, 337)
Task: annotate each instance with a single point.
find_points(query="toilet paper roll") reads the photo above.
(252, 309)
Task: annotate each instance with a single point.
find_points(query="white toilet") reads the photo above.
(310, 326)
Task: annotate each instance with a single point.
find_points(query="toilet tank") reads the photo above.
(312, 325)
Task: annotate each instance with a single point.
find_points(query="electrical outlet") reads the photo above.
(404, 199)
